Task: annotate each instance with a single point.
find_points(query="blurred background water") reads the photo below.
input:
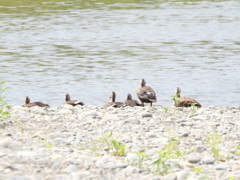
(89, 48)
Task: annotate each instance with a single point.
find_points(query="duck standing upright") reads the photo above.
(113, 103)
(28, 104)
(146, 94)
(184, 101)
(131, 102)
(72, 102)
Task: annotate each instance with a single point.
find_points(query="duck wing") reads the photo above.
(146, 94)
(131, 103)
(74, 102)
(187, 102)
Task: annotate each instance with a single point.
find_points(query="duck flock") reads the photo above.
(144, 93)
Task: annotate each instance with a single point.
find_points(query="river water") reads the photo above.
(90, 48)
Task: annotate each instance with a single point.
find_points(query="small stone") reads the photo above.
(145, 115)
(170, 176)
(131, 170)
(193, 158)
(131, 158)
(65, 111)
(18, 177)
(187, 124)
(121, 165)
(152, 135)
(132, 121)
(6, 143)
(236, 167)
(222, 166)
(186, 164)
(185, 134)
(55, 118)
(208, 160)
(30, 154)
(181, 175)
(71, 168)
(201, 149)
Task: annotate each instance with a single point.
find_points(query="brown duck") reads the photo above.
(146, 94)
(113, 103)
(72, 102)
(28, 104)
(131, 102)
(184, 101)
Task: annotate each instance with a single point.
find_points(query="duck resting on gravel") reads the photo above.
(184, 101)
(146, 94)
(131, 102)
(113, 103)
(28, 104)
(72, 102)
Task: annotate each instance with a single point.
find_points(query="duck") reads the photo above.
(113, 103)
(28, 104)
(146, 94)
(184, 101)
(131, 102)
(72, 102)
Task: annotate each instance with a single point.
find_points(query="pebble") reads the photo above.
(194, 158)
(170, 176)
(236, 167)
(132, 121)
(84, 143)
(145, 115)
(222, 166)
(208, 160)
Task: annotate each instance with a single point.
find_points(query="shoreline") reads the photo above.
(84, 142)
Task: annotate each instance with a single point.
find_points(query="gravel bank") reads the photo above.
(76, 143)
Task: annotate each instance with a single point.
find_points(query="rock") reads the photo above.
(187, 124)
(185, 134)
(208, 160)
(181, 175)
(132, 121)
(131, 158)
(222, 166)
(65, 111)
(152, 136)
(170, 176)
(18, 177)
(186, 164)
(236, 167)
(7, 143)
(194, 158)
(30, 154)
(129, 171)
(146, 115)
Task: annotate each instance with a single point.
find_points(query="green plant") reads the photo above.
(113, 146)
(3, 105)
(194, 108)
(169, 151)
(106, 139)
(119, 149)
(199, 170)
(141, 156)
(48, 145)
(176, 99)
(166, 109)
(214, 141)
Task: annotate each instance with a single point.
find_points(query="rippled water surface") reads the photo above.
(89, 48)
